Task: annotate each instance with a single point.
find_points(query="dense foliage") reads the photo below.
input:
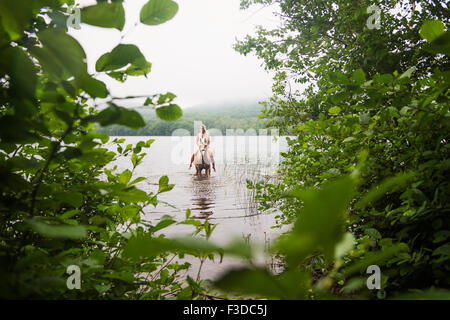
(384, 93)
(62, 203)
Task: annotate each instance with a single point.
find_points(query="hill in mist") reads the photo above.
(219, 116)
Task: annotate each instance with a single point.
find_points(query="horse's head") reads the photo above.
(203, 146)
(202, 157)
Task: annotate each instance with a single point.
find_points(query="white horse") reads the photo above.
(202, 160)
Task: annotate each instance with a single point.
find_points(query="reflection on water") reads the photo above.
(203, 195)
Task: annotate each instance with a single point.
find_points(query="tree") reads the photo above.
(318, 38)
(61, 208)
(365, 91)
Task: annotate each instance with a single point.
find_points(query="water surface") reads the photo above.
(223, 198)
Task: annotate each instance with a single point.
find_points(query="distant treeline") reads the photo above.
(218, 117)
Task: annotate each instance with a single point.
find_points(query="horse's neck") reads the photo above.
(203, 157)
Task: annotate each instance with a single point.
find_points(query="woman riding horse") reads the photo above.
(202, 139)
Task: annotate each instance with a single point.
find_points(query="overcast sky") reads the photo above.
(192, 54)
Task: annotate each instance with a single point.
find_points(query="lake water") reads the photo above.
(223, 198)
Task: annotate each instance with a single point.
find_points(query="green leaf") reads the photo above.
(71, 153)
(61, 55)
(120, 76)
(442, 250)
(119, 115)
(389, 185)
(104, 14)
(102, 288)
(319, 226)
(21, 71)
(345, 245)
(104, 138)
(377, 257)
(75, 199)
(169, 113)
(441, 236)
(163, 181)
(120, 275)
(383, 78)
(348, 139)
(147, 246)
(432, 29)
(137, 180)
(192, 222)
(141, 70)
(164, 223)
(156, 12)
(139, 247)
(134, 159)
(251, 281)
(354, 284)
(164, 185)
(408, 73)
(149, 142)
(359, 76)
(131, 212)
(373, 233)
(339, 97)
(9, 132)
(22, 163)
(132, 195)
(69, 214)
(125, 177)
(334, 110)
(15, 16)
(95, 88)
(440, 45)
(99, 256)
(166, 98)
(148, 102)
(58, 231)
(239, 248)
(121, 56)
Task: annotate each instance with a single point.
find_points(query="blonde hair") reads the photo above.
(206, 131)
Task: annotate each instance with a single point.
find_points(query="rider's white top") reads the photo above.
(203, 140)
